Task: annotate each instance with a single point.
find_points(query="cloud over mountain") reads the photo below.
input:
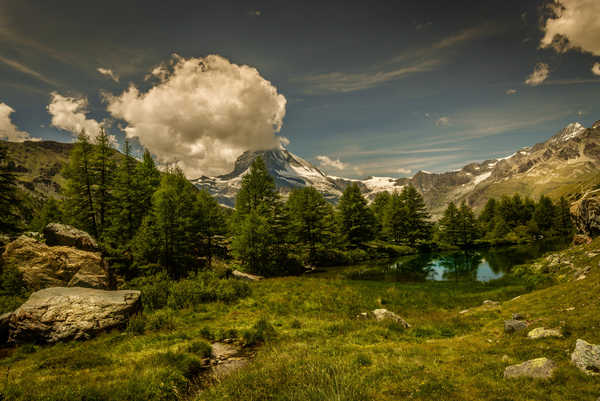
(326, 161)
(69, 114)
(202, 113)
(8, 131)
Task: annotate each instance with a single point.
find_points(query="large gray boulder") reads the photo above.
(586, 357)
(514, 326)
(61, 234)
(540, 368)
(70, 313)
(45, 266)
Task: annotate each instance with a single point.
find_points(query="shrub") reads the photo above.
(200, 348)
(11, 282)
(261, 331)
(162, 319)
(363, 360)
(204, 287)
(136, 324)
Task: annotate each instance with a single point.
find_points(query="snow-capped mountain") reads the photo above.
(289, 171)
(568, 158)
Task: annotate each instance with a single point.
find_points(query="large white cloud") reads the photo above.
(8, 131)
(540, 73)
(202, 113)
(69, 114)
(576, 24)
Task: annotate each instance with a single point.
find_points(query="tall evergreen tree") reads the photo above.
(209, 221)
(103, 168)
(563, 222)
(8, 194)
(124, 197)
(467, 225)
(545, 214)
(258, 192)
(310, 219)
(378, 207)
(395, 219)
(356, 219)
(449, 224)
(487, 216)
(79, 199)
(147, 177)
(418, 226)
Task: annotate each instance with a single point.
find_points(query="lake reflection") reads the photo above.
(475, 265)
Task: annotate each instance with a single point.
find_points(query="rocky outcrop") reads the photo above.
(55, 266)
(541, 332)
(70, 313)
(586, 357)
(62, 234)
(586, 213)
(383, 315)
(540, 368)
(514, 326)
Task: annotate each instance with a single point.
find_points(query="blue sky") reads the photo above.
(370, 89)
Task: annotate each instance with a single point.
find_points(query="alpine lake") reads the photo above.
(477, 265)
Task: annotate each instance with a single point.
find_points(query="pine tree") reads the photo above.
(378, 207)
(79, 200)
(8, 195)
(545, 213)
(487, 216)
(356, 219)
(449, 224)
(563, 222)
(209, 222)
(467, 226)
(148, 178)
(258, 202)
(417, 225)
(124, 221)
(310, 223)
(102, 167)
(394, 219)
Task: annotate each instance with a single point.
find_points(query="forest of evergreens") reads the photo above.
(148, 221)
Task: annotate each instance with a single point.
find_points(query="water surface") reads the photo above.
(473, 265)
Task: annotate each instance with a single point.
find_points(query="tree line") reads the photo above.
(149, 221)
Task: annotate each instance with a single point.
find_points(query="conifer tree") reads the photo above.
(449, 224)
(209, 222)
(417, 224)
(545, 214)
(124, 220)
(257, 192)
(357, 222)
(563, 222)
(378, 207)
(467, 227)
(79, 199)
(103, 167)
(395, 219)
(147, 177)
(8, 194)
(310, 224)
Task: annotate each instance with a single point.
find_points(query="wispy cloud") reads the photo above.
(425, 59)
(350, 82)
(109, 73)
(596, 69)
(326, 161)
(511, 91)
(26, 70)
(442, 122)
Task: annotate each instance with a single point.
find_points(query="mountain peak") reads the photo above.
(569, 132)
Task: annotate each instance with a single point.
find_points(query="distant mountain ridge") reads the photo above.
(566, 163)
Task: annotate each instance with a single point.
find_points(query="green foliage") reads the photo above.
(356, 220)
(51, 212)
(11, 282)
(8, 195)
(458, 226)
(312, 225)
(200, 348)
(262, 331)
(136, 324)
(406, 219)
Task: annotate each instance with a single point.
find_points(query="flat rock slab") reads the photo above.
(70, 313)
(514, 326)
(540, 368)
(246, 276)
(541, 332)
(222, 351)
(586, 357)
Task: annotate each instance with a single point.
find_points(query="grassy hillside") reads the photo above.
(320, 351)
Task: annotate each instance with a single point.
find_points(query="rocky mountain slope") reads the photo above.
(567, 163)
